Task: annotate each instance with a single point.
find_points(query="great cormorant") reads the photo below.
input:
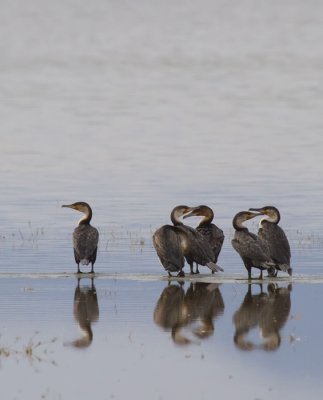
(85, 237)
(252, 250)
(168, 243)
(213, 234)
(275, 238)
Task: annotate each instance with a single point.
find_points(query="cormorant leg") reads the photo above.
(169, 274)
(92, 270)
(181, 273)
(260, 276)
(249, 274)
(78, 269)
(191, 268)
(197, 269)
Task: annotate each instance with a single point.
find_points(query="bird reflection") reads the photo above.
(86, 311)
(266, 311)
(194, 310)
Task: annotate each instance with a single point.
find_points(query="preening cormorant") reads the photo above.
(85, 237)
(250, 248)
(213, 234)
(275, 238)
(173, 243)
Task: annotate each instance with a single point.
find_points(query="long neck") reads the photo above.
(175, 218)
(85, 220)
(274, 218)
(207, 219)
(238, 223)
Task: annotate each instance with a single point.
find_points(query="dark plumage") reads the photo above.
(274, 238)
(208, 230)
(173, 243)
(252, 251)
(168, 243)
(85, 237)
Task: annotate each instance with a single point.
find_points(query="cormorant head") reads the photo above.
(271, 212)
(178, 212)
(241, 217)
(79, 206)
(201, 211)
(82, 207)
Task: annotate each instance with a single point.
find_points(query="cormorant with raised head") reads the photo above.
(275, 238)
(252, 250)
(213, 234)
(85, 237)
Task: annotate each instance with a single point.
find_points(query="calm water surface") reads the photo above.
(122, 339)
(136, 108)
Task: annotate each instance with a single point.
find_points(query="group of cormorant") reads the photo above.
(268, 250)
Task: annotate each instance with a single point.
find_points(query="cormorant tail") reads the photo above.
(285, 268)
(213, 267)
(268, 265)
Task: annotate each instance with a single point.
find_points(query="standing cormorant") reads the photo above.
(168, 244)
(275, 239)
(209, 231)
(251, 249)
(173, 243)
(85, 237)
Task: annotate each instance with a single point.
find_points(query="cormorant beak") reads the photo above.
(253, 215)
(192, 211)
(68, 205)
(259, 210)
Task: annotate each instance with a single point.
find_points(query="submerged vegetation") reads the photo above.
(34, 351)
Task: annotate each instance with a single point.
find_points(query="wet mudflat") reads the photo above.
(64, 338)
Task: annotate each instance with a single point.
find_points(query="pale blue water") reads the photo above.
(135, 108)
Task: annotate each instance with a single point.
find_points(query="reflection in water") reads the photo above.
(86, 311)
(196, 309)
(267, 311)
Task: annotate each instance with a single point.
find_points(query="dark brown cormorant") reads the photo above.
(275, 239)
(85, 237)
(173, 243)
(168, 243)
(213, 234)
(252, 250)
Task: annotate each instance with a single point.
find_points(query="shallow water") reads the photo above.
(135, 109)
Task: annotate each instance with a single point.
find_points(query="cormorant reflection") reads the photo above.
(267, 311)
(86, 311)
(194, 310)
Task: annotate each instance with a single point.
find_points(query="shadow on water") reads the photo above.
(264, 312)
(86, 311)
(194, 310)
